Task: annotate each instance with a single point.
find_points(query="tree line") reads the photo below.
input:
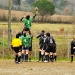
(61, 6)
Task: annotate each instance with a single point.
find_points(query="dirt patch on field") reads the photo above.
(8, 67)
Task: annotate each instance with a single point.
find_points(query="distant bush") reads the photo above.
(3, 17)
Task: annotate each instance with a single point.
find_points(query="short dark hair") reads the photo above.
(17, 36)
(48, 34)
(19, 33)
(43, 31)
(27, 17)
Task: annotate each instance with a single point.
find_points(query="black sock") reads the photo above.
(23, 56)
(39, 55)
(51, 57)
(16, 57)
(46, 57)
(42, 57)
(19, 58)
(71, 58)
(26, 57)
(55, 57)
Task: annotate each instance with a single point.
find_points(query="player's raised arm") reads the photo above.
(23, 18)
(36, 12)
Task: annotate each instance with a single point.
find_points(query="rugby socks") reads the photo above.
(16, 58)
(51, 57)
(55, 57)
(71, 58)
(42, 57)
(39, 55)
(22, 56)
(47, 57)
(26, 57)
(19, 58)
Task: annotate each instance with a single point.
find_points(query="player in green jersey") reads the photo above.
(26, 44)
(28, 20)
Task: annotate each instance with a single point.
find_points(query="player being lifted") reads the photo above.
(28, 20)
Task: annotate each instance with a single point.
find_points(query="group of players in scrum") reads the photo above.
(47, 51)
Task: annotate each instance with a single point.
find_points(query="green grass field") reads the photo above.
(38, 26)
(51, 27)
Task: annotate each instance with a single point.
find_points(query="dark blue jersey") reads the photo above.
(44, 41)
(41, 40)
(72, 45)
(50, 42)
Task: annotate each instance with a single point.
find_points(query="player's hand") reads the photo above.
(36, 12)
(24, 16)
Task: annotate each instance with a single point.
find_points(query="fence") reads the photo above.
(62, 39)
(63, 44)
(2, 42)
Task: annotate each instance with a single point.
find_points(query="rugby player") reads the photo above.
(72, 48)
(17, 46)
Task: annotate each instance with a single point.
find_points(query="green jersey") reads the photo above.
(29, 39)
(27, 22)
(21, 37)
(26, 41)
